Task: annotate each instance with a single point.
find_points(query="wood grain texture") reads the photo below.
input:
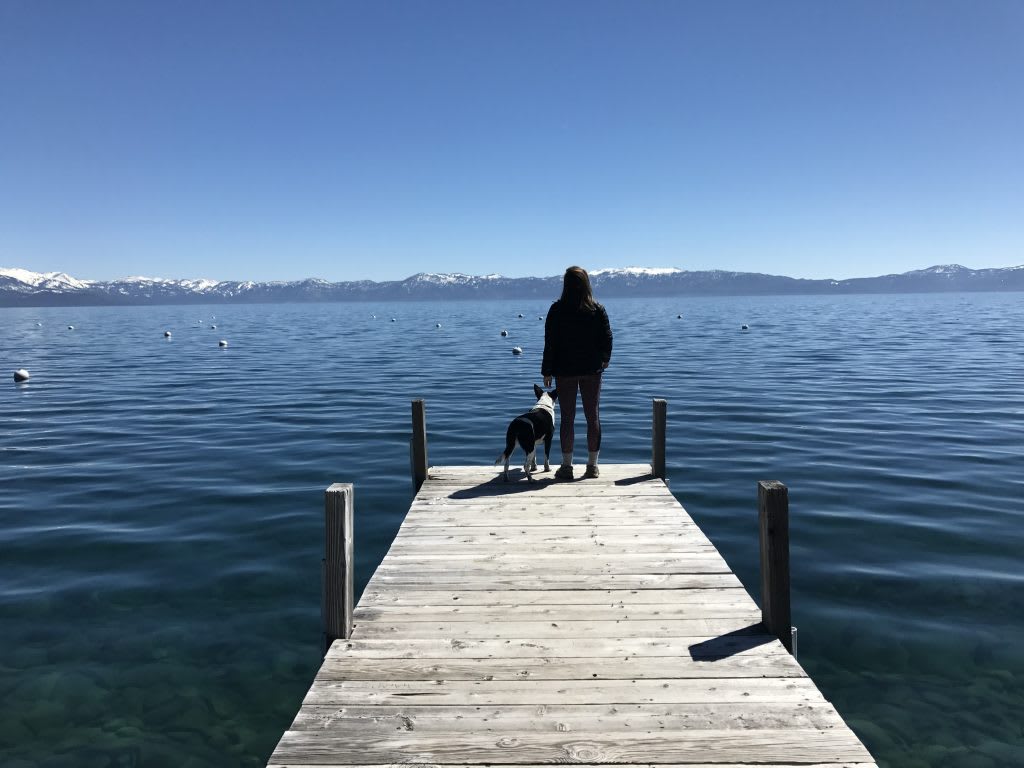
(565, 718)
(732, 745)
(843, 764)
(356, 667)
(338, 592)
(659, 416)
(773, 519)
(587, 622)
(374, 596)
(674, 647)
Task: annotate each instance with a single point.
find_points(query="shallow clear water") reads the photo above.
(161, 500)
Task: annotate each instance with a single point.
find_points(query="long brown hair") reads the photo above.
(576, 291)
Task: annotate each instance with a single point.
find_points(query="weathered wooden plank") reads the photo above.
(706, 628)
(567, 515)
(603, 718)
(513, 534)
(512, 528)
(378, 596)
(594, 567)
(533, 548)
(842, 764)
(728, 745)
(357, 667)
(584, 691)
(837, 764)
(510, 506)
(533, 581)
(566, 518)
(510, 542)
(673, 647)
(571, 562)
(609, 501)
(561, 613)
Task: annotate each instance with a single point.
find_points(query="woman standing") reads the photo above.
(577, 348)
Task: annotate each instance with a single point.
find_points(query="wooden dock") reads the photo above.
(586, 622)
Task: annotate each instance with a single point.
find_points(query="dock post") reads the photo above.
(773, 516)
(418, 444)
(338, 564)
(660, 414)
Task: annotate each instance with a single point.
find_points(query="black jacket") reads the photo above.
(576, 342)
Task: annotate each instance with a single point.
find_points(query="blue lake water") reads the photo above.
(161, 499)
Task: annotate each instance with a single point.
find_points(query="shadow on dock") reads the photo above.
(517, 483)
(731, 643)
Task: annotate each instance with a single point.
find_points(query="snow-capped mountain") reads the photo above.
(21, 287)
(634, 271)
(25, 281)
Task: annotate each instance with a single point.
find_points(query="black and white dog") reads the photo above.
(534, 427)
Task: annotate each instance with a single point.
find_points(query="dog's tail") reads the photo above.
(510, 444)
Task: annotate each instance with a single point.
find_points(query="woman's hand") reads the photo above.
(547, 382)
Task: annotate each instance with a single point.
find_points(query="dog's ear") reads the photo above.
(537, 391)
(553, 394)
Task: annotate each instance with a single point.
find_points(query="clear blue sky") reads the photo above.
(352, 140)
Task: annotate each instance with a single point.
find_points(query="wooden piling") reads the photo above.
(338, 565)
(659, 418)
(418, 444)
(773, 516)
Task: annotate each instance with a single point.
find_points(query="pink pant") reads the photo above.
(589, 387)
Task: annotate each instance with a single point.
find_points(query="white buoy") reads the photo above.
(71, 327)
(21, 375)
(392, 319)
(517, 350)
(39, 325)
(744, 327)
(679, 317)
(540, 317)
(504, 332)
(213, 327)
(520, 314)
(222, 343)
(438, 325)
(167, 334)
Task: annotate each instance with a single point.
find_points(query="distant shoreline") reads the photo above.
(20, 288)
